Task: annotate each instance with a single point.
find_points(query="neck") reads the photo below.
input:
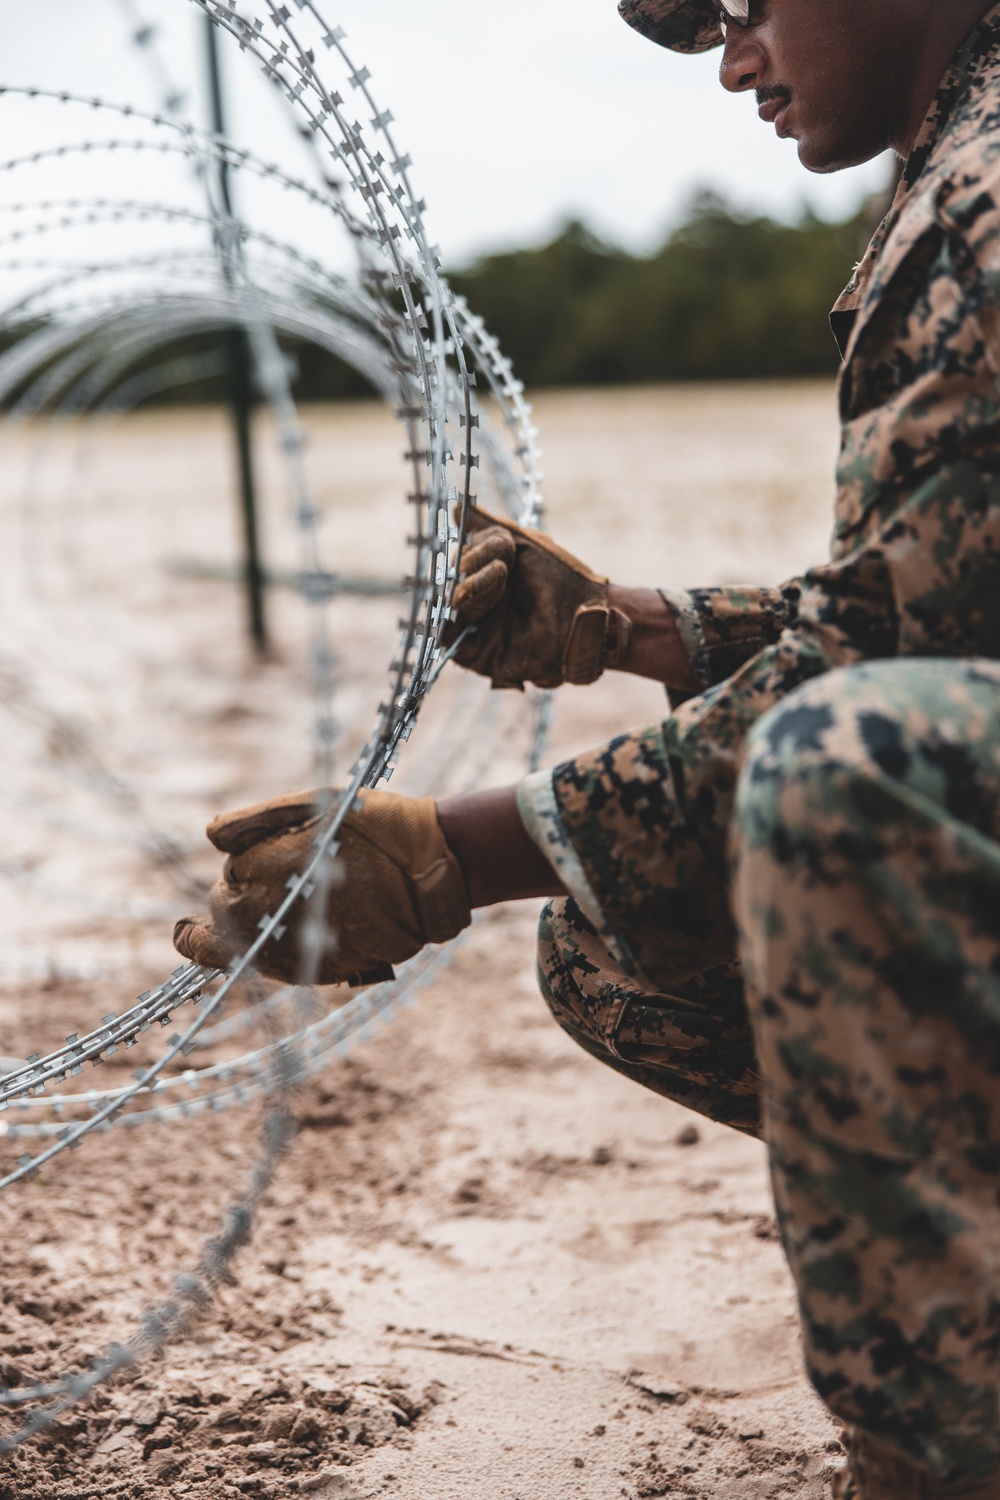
(942, 28)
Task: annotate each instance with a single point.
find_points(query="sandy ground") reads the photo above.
(488, 1267)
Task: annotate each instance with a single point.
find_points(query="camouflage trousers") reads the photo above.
(859, 1035)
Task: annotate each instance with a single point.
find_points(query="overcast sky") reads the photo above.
(517, 114)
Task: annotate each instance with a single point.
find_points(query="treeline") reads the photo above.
(726, 297)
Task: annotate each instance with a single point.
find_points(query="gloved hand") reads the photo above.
(397, 886)
(541, 616)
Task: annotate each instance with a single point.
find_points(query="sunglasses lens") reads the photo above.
(736, 10)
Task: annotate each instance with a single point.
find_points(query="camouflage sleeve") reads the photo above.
(914, 571)
(637, 828)
(721, 628)
(541, 816)
(915, 567)
(647, 816)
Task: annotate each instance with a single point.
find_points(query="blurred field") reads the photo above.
(595, 1300)
(127, 693)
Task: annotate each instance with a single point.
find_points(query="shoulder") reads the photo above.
(965, 204)
(961, 189)
(937, 255)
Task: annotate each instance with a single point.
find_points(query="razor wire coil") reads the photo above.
(425, 350)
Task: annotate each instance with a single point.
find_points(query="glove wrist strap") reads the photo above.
(599, 638)
(441, 900)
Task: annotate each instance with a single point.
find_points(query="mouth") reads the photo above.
(774, 110)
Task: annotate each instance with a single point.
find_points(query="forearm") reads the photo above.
(497, 858)
(722, 628)
(655, 648)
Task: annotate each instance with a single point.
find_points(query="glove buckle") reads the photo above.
(599, 638)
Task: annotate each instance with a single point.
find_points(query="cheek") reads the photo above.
(829, 96)
(841, 125)
(823, 87)
(807, 55)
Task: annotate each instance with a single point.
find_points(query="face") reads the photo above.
(834, 75)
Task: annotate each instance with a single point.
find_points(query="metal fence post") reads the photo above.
(239, 363)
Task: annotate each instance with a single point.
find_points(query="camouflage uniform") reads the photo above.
(797, 873)
(686, 28)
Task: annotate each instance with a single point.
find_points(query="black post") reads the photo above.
(239, 360)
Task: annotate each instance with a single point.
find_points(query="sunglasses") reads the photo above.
(734, 10)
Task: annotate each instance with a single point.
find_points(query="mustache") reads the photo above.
(775, 91)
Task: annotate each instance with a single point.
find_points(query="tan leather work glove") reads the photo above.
(541, 616)
(397, 886)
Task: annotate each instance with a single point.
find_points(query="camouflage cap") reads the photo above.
(681, 25)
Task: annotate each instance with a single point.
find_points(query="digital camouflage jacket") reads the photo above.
(637, 828)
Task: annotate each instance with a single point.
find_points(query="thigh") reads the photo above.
(868, 898)
(692, 1045)
(867, 894)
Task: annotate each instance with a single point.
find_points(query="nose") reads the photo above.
(743, 61)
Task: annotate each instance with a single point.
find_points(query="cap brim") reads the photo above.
(681, 25)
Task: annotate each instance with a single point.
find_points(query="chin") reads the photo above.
(822, 155)
(817, 162)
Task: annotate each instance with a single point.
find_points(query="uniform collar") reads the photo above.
(965, 82)
(968, 73)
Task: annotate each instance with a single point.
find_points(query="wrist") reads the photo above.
(655, 649)
(498, 858)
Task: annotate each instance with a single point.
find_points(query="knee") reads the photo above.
(576, 976)
(557, 959)
(828, 763)
(858, 747)
(547, 954)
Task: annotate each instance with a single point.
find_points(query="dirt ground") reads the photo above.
(488, 1266)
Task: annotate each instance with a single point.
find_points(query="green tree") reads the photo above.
(728, 296)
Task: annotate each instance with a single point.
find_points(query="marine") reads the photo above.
(780, 905)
